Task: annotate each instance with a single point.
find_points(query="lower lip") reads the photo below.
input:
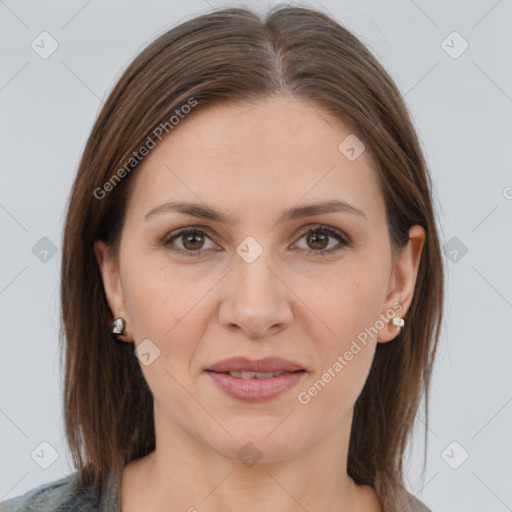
(253, 390)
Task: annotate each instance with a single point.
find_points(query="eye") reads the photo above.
(318, 239)
(192, 240)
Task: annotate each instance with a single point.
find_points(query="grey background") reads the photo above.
(462, 109)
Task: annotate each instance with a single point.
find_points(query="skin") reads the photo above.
(253, 161)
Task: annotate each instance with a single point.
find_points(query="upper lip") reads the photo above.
(244, 364)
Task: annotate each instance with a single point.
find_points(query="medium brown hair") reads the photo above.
(234, 54)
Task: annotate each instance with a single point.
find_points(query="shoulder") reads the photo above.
(58, 496)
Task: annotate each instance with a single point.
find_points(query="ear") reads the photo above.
(402, 282)
(111, 282)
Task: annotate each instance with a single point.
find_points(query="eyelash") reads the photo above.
(344, 242)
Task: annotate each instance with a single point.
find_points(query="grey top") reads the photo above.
(64, 496)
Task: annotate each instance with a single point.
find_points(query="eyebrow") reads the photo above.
(298, 212)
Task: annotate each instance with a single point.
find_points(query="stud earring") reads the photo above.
(398, 322)
(118, 329)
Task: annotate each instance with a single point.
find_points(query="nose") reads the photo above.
(256, 301)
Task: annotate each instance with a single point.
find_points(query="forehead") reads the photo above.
(245, 156)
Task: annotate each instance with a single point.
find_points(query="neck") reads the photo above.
(185, 474)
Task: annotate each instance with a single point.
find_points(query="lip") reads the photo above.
(244, 364)
(256, 390)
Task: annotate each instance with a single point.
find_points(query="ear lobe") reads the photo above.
(110, 277)
(402, 282)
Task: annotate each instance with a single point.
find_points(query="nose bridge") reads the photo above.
(255, 284)
(256, 298)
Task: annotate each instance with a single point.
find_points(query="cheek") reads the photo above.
(153, 292)
(349, 305)
(167, 305)
(346, 303)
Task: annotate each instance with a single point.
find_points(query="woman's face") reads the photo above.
(252, 282)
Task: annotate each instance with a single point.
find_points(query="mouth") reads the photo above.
(244, 367)
(246, 375)
(250, 386)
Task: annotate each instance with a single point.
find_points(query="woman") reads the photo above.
(252, 223)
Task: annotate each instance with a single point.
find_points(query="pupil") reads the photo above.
(316, 237)
(192, 237)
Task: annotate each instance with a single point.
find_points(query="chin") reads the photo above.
(263, 443)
